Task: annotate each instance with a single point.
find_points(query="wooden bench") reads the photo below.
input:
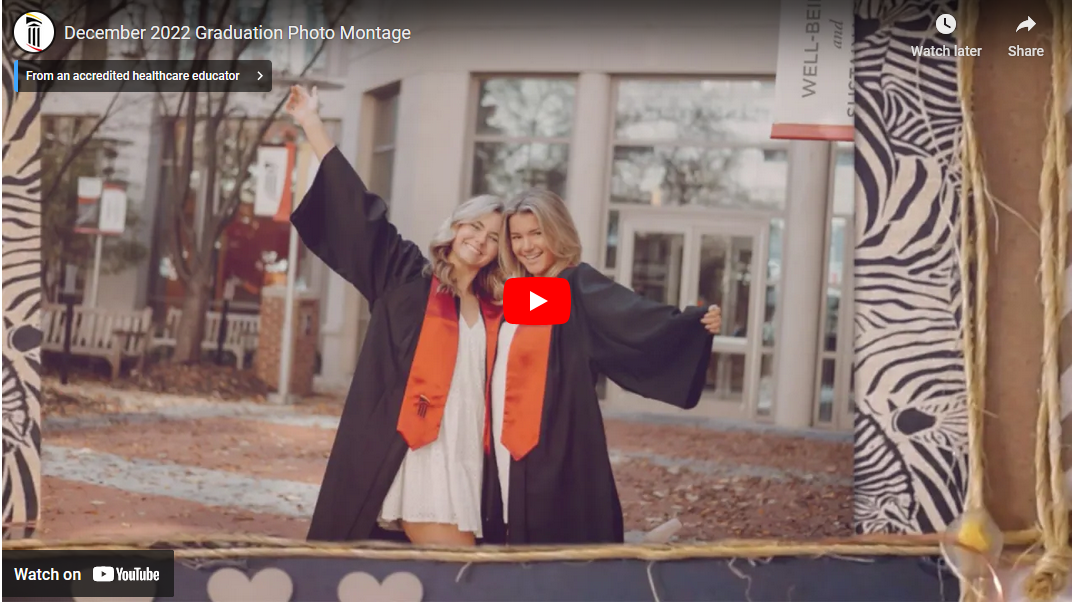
(112, 335)
(240, 336)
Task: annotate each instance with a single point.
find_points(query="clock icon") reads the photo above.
(945, 24)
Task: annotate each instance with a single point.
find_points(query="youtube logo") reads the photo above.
(536, 301)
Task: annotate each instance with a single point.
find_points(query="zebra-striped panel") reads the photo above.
(910, 454)
(21, 295)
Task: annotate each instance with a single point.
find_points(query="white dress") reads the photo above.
(441, 482)
(499, 393)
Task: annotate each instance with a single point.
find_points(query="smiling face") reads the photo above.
(477, 241)
(529, 244)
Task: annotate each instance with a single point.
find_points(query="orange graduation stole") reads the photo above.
(527, 374)
(434, 364)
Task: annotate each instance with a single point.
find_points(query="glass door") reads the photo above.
(683, 262)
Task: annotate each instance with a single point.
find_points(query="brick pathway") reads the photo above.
(154, 465)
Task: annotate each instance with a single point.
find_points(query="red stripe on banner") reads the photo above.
(813, 132)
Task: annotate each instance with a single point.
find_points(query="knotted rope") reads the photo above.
(1052, 571)
(973, 256)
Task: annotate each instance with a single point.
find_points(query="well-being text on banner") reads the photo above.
(814, 71)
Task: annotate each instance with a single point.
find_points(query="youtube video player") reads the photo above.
(529, 282)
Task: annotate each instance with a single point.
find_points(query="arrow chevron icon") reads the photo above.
(1028, 24)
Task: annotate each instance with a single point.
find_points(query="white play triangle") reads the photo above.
(536, 300)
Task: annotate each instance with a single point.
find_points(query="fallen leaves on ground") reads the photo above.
(733, 447)
(58, 404)
(729, 506)
(205, 380)
(321, 404)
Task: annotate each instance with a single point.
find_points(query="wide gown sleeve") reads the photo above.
(347, 227)
(651, 349)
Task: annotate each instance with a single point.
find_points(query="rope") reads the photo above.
(1053, 508)
(260, 546)
(973, 261)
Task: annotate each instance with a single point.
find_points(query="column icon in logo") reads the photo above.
(34, 32)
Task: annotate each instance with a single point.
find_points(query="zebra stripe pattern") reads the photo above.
(910, 461)
(21, 295)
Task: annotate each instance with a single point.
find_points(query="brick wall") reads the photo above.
(270, 338)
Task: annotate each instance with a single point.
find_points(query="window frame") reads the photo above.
(686, 211)
(381, 98)
(473, 138)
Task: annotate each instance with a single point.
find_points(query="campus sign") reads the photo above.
(814, 71)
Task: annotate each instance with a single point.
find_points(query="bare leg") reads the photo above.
(432, 533)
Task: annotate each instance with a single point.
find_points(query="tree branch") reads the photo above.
(231, 204)
(76, 150)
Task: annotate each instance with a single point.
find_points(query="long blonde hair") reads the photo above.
(488, 283)
(556, 225)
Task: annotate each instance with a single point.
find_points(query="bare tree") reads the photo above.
(75, 150)
(71, 147)
(212, 143)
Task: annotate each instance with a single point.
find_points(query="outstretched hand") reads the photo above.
(712, 320)
(302, 105)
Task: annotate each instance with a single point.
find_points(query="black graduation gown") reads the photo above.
(347, 227)
(563, 491)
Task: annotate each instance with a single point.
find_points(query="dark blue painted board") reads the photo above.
(893, 578)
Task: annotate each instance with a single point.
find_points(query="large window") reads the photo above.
(697, 142)
(522, 136)
(694, 143)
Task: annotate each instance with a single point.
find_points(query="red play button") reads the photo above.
(537, 301)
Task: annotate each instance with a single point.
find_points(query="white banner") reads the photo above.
(815, 71)
(113, 218)
(90, 187)
(272, 168)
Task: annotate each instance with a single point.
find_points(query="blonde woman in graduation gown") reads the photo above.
(548, 475)
(408, 453)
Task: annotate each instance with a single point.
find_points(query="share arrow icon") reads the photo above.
(1028, 24)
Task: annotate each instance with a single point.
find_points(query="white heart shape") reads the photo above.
(232, 585)
(363, 587)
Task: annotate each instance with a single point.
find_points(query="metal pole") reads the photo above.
(97, 252)
(68, 319)
(288, 320)
(221, 332)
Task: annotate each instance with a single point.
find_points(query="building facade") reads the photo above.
(653, 124)
(655, 130)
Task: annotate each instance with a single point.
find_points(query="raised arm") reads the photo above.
(651, 349)
(303, 106)
(344, 224)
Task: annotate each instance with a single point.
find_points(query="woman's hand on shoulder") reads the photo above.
(712, 320)
(302, 105)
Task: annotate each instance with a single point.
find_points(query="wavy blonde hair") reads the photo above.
(488, 283)
(556, 224)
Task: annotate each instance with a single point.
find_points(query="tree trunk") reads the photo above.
(191, 328)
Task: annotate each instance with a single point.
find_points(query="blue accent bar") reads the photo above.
(16, 75)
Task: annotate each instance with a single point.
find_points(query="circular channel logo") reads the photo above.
(34, 32)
